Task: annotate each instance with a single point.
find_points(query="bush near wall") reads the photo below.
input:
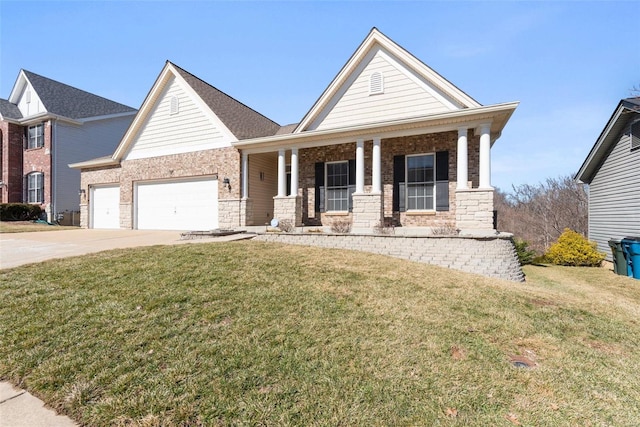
(19, 212)
(573, 249)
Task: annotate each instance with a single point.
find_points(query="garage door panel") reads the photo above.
(105, 207)
(177, 205)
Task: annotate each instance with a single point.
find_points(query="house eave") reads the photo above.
(497, 115)
(100, 162)
(603, 144)
(45, 116)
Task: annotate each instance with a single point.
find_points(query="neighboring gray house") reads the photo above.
(612, 170)
(44, 126)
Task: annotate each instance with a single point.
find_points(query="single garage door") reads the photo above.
(177, 205)
(105, 207)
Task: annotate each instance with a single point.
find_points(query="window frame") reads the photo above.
(37, 190)
(37, 138)
(424, 184)
(327, 190)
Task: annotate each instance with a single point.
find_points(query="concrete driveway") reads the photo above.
(25, 248)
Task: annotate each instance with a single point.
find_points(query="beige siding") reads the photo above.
(187, 131)
(261, 192)
(405, 95)
(614, 196)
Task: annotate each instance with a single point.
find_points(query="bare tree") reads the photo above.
(539, 213)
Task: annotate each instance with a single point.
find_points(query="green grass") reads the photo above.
(248, 333)
(30, 226)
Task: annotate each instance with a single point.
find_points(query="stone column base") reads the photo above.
(229, 213)
(246, 212)
(474, 211)
(367, 212)
(288, 208)
(84, 215)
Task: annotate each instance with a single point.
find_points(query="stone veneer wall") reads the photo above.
(488, 256)
(474, 209)
(288, 208)
(367, 212)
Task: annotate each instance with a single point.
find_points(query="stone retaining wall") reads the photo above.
(488, 256)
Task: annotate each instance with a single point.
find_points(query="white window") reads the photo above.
(35, 187)
(337, 186)
(376, 83)
(36, 136)
(420, 182)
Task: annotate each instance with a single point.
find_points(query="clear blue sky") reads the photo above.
(568, 63)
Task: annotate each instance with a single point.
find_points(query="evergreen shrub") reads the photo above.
(19, 212)
(573, 249)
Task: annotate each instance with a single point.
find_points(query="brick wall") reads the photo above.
(418, 144)
(223, 163)
(488, 256)
(11, 161)
(39, 160)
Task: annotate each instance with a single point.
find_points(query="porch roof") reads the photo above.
(497, 115)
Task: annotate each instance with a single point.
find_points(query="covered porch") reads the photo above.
(432, 173)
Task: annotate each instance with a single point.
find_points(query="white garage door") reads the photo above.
(105, 207)
(177, 205)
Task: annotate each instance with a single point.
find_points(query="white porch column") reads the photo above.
(376, 168)
(294, 172)
(282, 174)
(463, 162)
(245, 175)
(485, 156)
(360, 166)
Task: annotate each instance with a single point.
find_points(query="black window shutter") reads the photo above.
(442, 181)
(352, 182)
(319, 187)
(398, 184)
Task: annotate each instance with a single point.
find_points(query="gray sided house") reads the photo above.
(612, 170)
(44, 126)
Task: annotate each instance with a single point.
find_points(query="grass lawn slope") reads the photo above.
(248, 333)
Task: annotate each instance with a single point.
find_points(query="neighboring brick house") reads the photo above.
(612, 170)
(44, 126)
(388, 141)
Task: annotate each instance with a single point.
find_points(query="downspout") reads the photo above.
(54, 166)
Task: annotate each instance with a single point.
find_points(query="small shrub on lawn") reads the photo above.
(525, 255)
(19, 212)
(342, 226)
(286, 226)
(573, 249)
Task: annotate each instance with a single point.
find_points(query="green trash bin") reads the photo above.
(619, 261)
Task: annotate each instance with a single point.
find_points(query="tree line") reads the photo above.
(538, 214)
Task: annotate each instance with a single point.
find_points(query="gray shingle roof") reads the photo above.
(287, 129)
(64, 100)
(242, 121)
(9, 110)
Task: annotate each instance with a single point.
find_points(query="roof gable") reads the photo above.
(403, 75)
(63, 100)
(227, 120)
(241, 120)
(626, 111)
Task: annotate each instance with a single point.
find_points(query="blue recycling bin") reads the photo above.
(631, 248)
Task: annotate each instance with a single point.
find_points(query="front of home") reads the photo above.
(389, 142)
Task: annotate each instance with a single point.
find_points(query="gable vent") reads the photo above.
(28, 96)
(376, 83)
(175, 104)
(635, 135)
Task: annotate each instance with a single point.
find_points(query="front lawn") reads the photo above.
(29, 226)
(249, 333)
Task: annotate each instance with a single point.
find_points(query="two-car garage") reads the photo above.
(189, 204)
